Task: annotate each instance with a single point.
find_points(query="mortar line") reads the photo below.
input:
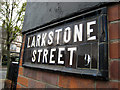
(115, 21)
(39, 81)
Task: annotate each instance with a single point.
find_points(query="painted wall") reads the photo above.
(40, 13)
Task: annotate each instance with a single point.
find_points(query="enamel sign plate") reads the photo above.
(75, 45)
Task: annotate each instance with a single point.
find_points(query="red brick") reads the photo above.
(114, 50)
(24, 37)
(107, 84)
(114, 31)
(18, 86)
(46, 77)
(119, 86)
(21, 54)
(31, 73)
(115, 70)
(51, 86)
(35, 84)
(50, 78)
(21, 70)
(22, 51)
(75, 82)
(39, 75)
(20, 64)
(64, 81)
(114, 12)
(23, 44)
(81, 83)
(23, 81)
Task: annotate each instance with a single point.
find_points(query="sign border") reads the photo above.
(102, 73)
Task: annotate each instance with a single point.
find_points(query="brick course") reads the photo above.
(23, 81)
(20, 70)
(114, 12)
(39, 75)
(114, 32)
(114, 50)
(64, 81)
(110, 84)
(19, 86)
(115, 70)
(75, 82)
(50, 78)
(31, 73)
(35, 84)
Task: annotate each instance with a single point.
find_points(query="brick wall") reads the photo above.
(36, 78)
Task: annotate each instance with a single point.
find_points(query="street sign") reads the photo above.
(75, 45)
